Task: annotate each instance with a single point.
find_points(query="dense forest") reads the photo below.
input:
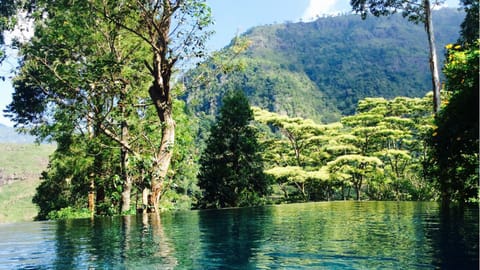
(337, 115)
(321, 69)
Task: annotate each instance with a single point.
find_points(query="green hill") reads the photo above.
(20, 169)
(321, 69)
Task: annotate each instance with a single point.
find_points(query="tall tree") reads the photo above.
(95, 64)
(469, 27)
(455, 142)
(231, 171)
(82, 73)
(456, 139)
(417, 11)
(174, 30)
(297, 153)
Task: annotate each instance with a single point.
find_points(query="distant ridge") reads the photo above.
(9, 135)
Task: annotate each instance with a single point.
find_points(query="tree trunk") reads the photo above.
(127, 190)
(357, 192)
(161, 69)
(433, 57)
(127, 181)
(358, 186)
(159, 93)
(145, 193)
(163, 158)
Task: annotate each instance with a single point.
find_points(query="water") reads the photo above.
(327, 235)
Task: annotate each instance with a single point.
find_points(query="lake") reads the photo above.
(324, 235)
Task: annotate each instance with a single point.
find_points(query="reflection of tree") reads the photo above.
(454, 237)
(123, 242)
(231, 237)
(162, 247)
(85, 243)
(183, 229)
(65, 246)
(147, 246)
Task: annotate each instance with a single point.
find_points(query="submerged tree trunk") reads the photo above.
(433, 57)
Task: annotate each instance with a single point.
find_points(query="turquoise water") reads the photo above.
(326, 235)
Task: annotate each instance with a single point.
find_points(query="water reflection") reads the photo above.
(233, 238)
(113, 243)
(454, 236)
(330, 235)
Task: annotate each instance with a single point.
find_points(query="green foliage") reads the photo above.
(69, 213)
(320, 70)
(469, 27)
(413, 10)
(8, 10)
(84, 83)
(77, 166)
(455, 141)
(182, 188)
(231, 172)
(379, 150)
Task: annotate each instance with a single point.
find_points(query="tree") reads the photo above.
(379, 150)
(296, 154)
(95, 65)
(417, 11)
(173, 30)
(456, 139)
(355, 169)
(393, 131)
(79, 76)
(469, 27)
(455, 142)
(231, 172)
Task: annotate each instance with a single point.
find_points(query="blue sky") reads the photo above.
(233, 17)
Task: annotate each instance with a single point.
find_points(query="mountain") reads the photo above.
(9, 135)
(321, 69)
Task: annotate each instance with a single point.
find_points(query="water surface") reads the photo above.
(326, 235)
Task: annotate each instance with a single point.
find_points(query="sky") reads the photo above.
(232, 17)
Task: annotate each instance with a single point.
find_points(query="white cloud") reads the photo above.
(319, 8)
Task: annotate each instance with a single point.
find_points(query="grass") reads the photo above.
(24, 159)
(21, 164)
(16, 201)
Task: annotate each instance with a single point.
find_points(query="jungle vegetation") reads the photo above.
(321, 69)
(135, 133)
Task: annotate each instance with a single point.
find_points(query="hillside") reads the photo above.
(321, 69)
(20, 169)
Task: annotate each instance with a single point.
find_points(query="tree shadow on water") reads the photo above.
(456, 240)
(231, 238)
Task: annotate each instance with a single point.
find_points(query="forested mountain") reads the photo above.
(321, 69)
